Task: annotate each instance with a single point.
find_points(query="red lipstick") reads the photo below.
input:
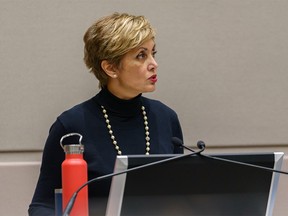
(153, 78)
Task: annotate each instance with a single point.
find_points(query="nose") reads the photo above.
(153, 65)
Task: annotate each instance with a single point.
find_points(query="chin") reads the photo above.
(150, 89)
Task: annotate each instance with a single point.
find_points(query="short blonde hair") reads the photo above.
(110, 38)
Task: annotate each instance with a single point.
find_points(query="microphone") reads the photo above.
(71, 202)
(201, 144)
(178, 142)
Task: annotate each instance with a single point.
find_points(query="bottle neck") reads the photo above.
(72, 156)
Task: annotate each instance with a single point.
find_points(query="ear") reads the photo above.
(109, 69)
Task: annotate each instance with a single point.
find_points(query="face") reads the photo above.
(137, 72)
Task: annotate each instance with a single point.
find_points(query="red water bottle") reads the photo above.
(74, 175)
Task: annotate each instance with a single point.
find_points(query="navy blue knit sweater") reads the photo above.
(87, 119)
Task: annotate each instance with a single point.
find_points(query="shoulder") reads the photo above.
(158, 107)
(81, 107)
(78, 112)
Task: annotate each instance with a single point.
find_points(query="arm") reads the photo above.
(177, 132)
(50, 173)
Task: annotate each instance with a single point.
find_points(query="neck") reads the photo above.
(124, 95)
(120, 106)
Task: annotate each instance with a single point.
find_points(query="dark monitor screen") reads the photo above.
(195, 186)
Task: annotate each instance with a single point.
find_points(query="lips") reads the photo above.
(153, 78)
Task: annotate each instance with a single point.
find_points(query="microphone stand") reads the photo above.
(235, 162)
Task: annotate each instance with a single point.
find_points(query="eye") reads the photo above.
(154, 53)
(141, 55)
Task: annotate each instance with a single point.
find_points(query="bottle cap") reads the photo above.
(73, 149)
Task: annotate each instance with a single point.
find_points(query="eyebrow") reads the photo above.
(144, 48)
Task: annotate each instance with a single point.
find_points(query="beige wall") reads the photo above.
(222, 68)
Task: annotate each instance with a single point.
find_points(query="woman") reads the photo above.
(120, 51)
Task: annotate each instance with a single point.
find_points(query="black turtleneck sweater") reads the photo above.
(87, 119)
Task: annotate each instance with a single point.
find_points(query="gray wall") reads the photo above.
(222, 67)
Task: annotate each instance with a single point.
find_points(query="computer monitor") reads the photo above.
(195, 185)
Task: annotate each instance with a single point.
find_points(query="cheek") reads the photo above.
(139, 75)
(134, 71)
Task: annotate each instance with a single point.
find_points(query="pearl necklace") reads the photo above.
(117, 148)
